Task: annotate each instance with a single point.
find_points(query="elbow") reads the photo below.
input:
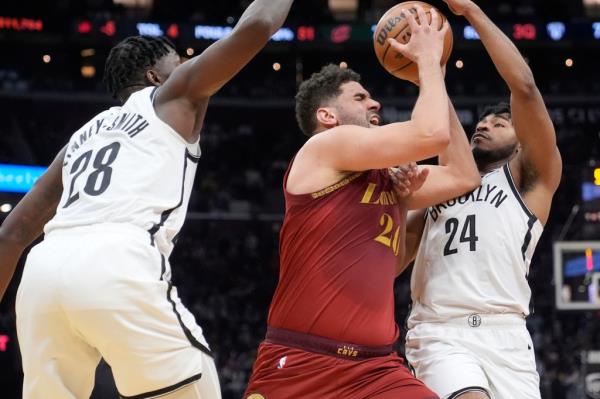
(472, 180)
(9, 238)
(439, 137)
(261, 26)
(469, 180)
(524, 85)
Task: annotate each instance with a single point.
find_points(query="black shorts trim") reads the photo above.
(188, 334)
(456, 394)
(166, 390)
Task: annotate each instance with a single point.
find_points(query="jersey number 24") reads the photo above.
(468, 234)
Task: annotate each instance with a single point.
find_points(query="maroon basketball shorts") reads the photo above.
(283, 372)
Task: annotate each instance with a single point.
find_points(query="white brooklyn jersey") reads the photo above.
(475, 253)
(128, 166)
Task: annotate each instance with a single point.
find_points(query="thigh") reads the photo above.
(397, 384)
(152, 344)
(207, 387)
(510, 365)
(57, 361)
(124, 305)
(283, 372)
(443, 363)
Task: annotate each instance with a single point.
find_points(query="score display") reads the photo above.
(554, 31)
(577, 275)
(522, 31)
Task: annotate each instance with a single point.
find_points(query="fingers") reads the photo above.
(410, 18)
(396, 45)
(435, 18)
(444, 28)
(423, 20)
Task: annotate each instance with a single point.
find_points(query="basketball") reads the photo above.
(393, 25)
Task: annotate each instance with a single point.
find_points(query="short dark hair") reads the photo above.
(314, 92)
(128, 61)
(497, 109)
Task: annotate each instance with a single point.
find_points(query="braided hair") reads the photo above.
(129, 60)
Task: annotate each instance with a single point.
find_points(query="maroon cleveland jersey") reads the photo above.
(338, 253)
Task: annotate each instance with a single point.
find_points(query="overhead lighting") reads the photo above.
(88, 71)
(88, 52)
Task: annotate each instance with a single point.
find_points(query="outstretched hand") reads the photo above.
(408, 178)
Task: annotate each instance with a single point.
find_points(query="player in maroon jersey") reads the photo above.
(331, 324)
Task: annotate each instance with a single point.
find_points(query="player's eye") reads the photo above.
(498, 125)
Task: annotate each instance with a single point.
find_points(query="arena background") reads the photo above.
(225, 263)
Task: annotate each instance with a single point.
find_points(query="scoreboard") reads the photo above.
(577, 275)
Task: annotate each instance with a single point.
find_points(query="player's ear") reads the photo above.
(153, 77)
(326, 117)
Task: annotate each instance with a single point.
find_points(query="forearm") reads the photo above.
(20, 229)
(431, 109)
(458, 154)
(504, 54)
(269, 14)
(26, 221)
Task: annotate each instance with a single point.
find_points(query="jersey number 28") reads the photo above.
(102, 171)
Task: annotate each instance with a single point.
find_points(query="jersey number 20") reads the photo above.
(467, 234)
(102, 170)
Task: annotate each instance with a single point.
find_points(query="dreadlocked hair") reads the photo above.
(317, 90)
(129, 60)
(497, 109)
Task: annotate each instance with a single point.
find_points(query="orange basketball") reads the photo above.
(394, 25)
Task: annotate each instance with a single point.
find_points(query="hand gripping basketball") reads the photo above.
(418, 31)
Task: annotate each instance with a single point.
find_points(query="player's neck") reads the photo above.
(486, 168)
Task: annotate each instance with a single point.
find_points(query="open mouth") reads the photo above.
(375, 119)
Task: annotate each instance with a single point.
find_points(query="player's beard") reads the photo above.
(355, 119)
(484, 158)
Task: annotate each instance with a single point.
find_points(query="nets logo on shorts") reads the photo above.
(474, 320)
(255, 396)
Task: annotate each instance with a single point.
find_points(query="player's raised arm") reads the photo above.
(354, 148)
(202, 76)
(26, 221)
(539, 160)
(456, 173)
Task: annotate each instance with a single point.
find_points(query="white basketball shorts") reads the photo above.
(478, 352)
(104, 291)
